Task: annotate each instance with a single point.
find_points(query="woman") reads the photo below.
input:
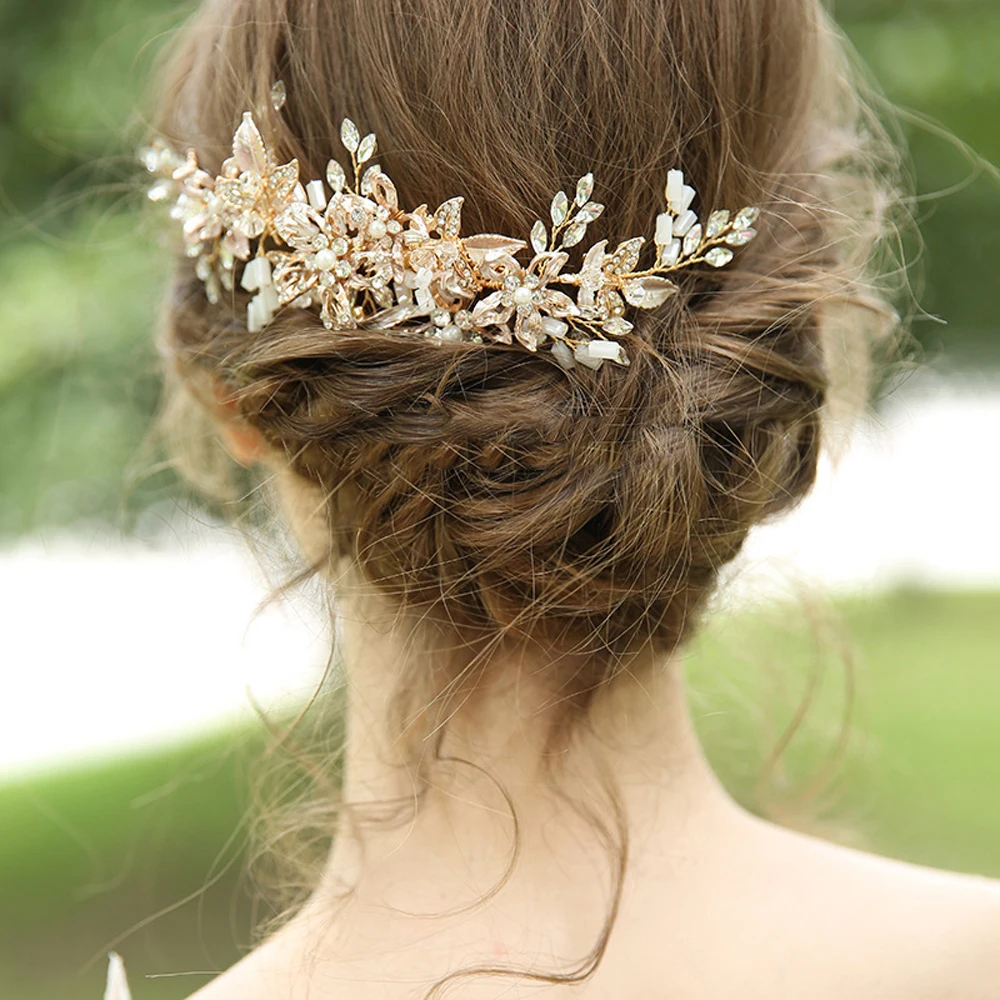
(519, 458)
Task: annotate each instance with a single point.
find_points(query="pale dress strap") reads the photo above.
(117, 988)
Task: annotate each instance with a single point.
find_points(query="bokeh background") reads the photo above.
(129, 627)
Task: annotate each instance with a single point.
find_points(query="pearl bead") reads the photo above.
(376, 229)
(325, 259)
(522, 297)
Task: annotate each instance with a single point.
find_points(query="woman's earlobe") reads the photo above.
(242, 441)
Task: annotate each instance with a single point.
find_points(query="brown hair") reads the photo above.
(483, 489)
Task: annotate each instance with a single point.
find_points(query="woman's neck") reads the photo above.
(494, 782)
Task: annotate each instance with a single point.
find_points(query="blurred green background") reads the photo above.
(88, 854)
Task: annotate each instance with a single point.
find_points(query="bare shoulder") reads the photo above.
(934, 933)
(266, 973)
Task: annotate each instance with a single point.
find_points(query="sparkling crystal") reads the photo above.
(316, 195)
(278, 95)
(664, 229)
(559, 208)
(342, 269)
(366, 149)
(719, 256)
(562, 353)
(683, 223)
(617, 326)
(688, 194)
(340, 246)
(740, 237)
(581, 354)
(441, 317)
(675, 185)
(574, 233)
(605, 349)
(554, 327)
(335, 176)
(692, 241)
(358, 216)
(349, 135)
(670, 254)
(746, 217)
(716, 223)
(589, 212)
(539, 236)
(161, 190)
(584, 189)
(463, 319)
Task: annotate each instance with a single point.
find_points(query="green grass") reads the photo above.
(87, 855)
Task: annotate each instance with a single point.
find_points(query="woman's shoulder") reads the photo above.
(936, 933)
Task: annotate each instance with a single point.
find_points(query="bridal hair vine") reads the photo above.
(347, 250)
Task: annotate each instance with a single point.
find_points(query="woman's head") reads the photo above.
(484, 491)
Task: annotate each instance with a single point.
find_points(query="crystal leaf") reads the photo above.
(591, 211)
(584, 189)
(746, 217)
(248, 146)
(278, 95)
(283, 180)
(740, 237)
(719, 256)
(366, 149)
(717, 222)
(349, 135)
(692, 241)
(649, 292)
(574, 233)
(617, 326)
(626, 255)
(335, 176)
(539, 236)
(449, 217)
(559, 209)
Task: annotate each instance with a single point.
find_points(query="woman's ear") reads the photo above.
(243, 442)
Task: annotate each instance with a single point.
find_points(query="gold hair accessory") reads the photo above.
(347, 250)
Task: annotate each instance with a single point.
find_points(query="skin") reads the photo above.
(716, 903)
